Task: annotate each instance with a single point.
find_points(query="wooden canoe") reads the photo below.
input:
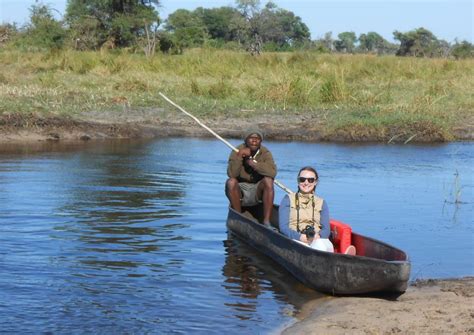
(377, 267)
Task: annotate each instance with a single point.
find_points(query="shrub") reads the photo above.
(463, 50)
(44, 32)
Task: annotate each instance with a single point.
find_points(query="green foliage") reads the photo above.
(82, 63)
(419, 43)
(346, 42)
(248, 8)
(373, 42)
(187, 27)
(132, 25)
(218, 22)
(323, 44)
(168, 43)
(220, 90)
(44, 31)
(276, 28)
(333, 90)
(121, 22)
(299, 92)
(86, 33)
(463, 50)
(281, 27)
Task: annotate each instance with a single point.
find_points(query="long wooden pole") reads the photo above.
(283, 187)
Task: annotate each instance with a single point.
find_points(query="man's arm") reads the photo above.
(234, 165)
(236, 161)
(265, 165)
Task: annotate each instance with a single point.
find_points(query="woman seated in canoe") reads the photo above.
(304, 216)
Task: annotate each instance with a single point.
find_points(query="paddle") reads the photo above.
(283, 187)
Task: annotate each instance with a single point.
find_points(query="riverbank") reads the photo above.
(302, 95)
(427, 307)
(149, 123)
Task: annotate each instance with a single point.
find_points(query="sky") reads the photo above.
(446, 19)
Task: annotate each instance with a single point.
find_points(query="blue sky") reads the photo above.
(447, 19)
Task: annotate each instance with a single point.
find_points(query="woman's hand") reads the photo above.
(307, 240)
(303, 238)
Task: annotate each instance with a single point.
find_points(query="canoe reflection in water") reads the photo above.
(250, 275)
(377, 267)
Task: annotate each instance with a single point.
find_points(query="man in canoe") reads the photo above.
(251, 172)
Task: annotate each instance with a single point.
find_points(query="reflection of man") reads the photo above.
(251, 171)
(241, 273)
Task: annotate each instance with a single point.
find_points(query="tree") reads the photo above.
(442, 49)
(168, 44)
(371, 42)
(121, 22)
(44, 31)
(187, 27)
(87, 33)
(325, 43)
(346, 42)
(462, 50)
(281, 27)
(217, 22)
(419, 43)
(271, 25)
(247, 24)
(248, 8)
(374, 43)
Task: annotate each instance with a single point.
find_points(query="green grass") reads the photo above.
(352, 93)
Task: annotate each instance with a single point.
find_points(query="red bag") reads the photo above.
(341, 234)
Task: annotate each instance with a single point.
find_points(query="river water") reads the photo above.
(130, 236)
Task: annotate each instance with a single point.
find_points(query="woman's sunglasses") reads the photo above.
(303, 179)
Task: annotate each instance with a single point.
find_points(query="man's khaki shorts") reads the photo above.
(249, 194)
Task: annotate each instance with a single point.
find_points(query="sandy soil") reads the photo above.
(427, 307)
(147, 123)
(139, 124)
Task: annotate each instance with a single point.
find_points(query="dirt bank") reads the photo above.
(160, 123)
(428, 307)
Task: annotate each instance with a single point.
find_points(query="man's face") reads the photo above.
(253, 142)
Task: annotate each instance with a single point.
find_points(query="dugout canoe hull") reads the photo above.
(377, 267)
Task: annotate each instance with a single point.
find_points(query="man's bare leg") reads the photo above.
(267, 193)
(233, 194)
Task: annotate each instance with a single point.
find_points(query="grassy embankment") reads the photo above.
(379, 97)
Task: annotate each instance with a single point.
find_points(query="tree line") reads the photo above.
(137, 26)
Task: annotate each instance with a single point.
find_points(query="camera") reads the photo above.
(308, 231)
